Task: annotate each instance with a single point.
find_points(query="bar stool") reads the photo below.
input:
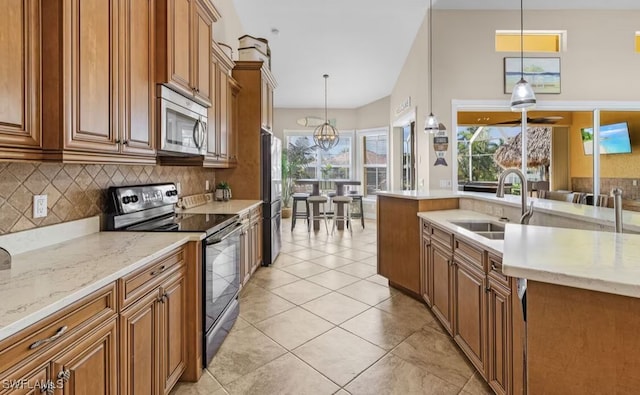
(321, 215)
(297, 198)
(346, 217)
(331, 195)
(357, 201)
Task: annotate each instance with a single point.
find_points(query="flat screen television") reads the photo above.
(614, 139)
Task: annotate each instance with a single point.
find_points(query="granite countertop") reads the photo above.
(582, 212)
(43, 281)
(598, 261)
(445, 219)
(229, 207)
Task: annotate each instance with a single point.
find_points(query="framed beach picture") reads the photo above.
(542, 73)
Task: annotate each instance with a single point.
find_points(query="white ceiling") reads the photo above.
(361, 44)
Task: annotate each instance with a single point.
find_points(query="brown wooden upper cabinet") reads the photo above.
(183, 46)
(222, 115)
(97, 86)
(20, 78)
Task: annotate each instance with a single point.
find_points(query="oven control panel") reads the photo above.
(133, 198)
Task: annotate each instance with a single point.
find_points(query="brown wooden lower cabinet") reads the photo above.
(88, 348)
(442, 268)
(152, 346)
(476, 304)
(250, 243)
(90, 366)
(470, 306)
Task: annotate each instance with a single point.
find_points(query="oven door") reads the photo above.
(183, 129)
(221, 272)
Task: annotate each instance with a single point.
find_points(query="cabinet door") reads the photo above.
(212, 112)
(264, 104)
(203, 26)
(139, 351)
(137, 20)
(257, 244)
(172, 334)
(92, 53)
(20, 73)
(441, 302)
(90, 365)
(426, 271)
(269, 107)
(500, 343)
(223, 114)
(179, 33)
(232, 122)
(245, 265)
(470, 311)
(39, 380)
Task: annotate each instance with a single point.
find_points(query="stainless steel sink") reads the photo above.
(492, 235)
(480, 226)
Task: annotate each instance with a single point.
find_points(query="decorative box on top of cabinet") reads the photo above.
(98, 83)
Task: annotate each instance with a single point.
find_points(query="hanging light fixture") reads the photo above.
(326, 136)
(431, 125)
(523, 97)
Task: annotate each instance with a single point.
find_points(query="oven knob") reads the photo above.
(126, 200)
(134, 199)
(169, 193)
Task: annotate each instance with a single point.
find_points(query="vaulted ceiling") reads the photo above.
(361, 44)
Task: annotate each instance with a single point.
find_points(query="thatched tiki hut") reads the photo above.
(538, 150)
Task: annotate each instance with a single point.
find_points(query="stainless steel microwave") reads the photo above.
(183, 123)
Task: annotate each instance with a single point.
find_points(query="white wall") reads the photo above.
(228, 28)
(599, 64)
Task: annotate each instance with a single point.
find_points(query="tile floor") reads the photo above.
(321, 321)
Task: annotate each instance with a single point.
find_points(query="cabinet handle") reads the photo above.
(160, 270)
(118, 141)
(165, 297)
(64, 375)
(496, 267)
(48, 387)
(488, 289)
(38, 343)
(125, 142)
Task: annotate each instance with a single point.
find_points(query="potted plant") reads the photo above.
(223, 191)
(295, 159)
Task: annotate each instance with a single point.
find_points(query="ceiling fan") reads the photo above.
(532, 121)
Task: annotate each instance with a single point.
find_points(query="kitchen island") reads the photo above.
(583, 296)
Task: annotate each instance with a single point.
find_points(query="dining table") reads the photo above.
(340, 190)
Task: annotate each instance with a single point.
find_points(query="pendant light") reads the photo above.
(523, 97)
(326, 136)
(431, 125)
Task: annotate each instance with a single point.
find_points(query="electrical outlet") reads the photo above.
(178, 188)
(635, 183)
(499, 212)
(39, 206)
(206, 185)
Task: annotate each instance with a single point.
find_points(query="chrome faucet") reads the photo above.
(526, 213)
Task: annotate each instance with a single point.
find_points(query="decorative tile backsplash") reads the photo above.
(629, 191)
(77, 191)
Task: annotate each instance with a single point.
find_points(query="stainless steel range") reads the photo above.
(150, 208)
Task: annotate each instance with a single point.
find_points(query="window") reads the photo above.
(476, 147)
(534, 41)
(336, 163)
(375, 163)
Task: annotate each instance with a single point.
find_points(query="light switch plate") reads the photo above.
(39, 206)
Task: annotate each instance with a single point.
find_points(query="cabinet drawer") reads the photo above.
(137, 284)
(470, 253)
(256, 213)
(56, 328)
(442, 236)
(495, 271)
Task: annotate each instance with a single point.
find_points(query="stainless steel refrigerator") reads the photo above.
(271, 194)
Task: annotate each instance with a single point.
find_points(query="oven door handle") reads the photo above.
(218, 239)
